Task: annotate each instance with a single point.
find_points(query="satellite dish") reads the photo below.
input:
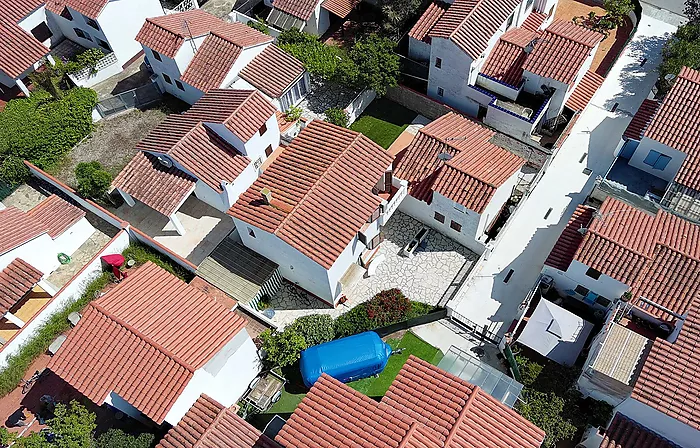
(444, 156)
(166, 162)
(582, 230)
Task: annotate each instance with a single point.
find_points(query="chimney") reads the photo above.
(267, 195)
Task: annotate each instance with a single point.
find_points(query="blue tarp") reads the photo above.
(346, 359)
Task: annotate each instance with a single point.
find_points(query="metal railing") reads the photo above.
(471, 328)
(131, 99)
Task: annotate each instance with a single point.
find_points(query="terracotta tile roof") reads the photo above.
(18, 49)
(208, 424)
(165, 34)
(670, 378)
(425, 407)
(147, 358)
(534, 21)
(429, 18)
(471, 24)
(56, 215)
(656, 255)
(505, 62)
(584, 91)
(324, 161)
(147, 180)
(273, 71)
(334, 415)
(568, 243)
(562, 38)
(17, 228)
(16, 280)
(471, 177)
(301, 9)
(341, 8)
(640, 121)
(458, 413)
(624, 432)
(216, 55)
(90, 8)
(677, 124)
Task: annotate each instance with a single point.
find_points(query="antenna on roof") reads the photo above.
(582, 230)
(188, 31)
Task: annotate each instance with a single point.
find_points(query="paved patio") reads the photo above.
(423, 278)
(204, 225)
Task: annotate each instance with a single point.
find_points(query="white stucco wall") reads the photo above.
(242, 60)
(418, 50)
(605, 286)
(496, 87)
(67, 28)
(642, 151)
(240, 185)
(225, 377)
(40, 252)
(121, 20)
(255, 146)
(34, 19)
(348, 257)
(672, 429)
(451, 77)
(501, 120)
(324, 20)
(70, 240)
(499, 198)
(318, 22)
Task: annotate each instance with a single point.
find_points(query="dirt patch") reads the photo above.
(112, 143)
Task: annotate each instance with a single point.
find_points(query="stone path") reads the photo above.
(325, 95)
(220, 8)
(424, 278)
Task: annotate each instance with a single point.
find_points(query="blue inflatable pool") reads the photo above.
(346, 359)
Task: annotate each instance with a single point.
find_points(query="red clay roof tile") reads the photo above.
(341, 8)
(56, 215)
(301, 9)
(475, 171)
(208, 424)
(584, 91)
(273, 71)
(147, 180)
(568, 243)
(624, 432)
(324, 161)
(505, 62)
(561, 37)
(17, 229)
(166, 34)
(120, 345)
(429, 18)
(534, 21)
(640, 121)
(89, 8)
(16, 280)
(471, 24)
(19, 50)
(677, 124)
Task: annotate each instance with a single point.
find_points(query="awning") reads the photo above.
(555, 333)
(282, 20)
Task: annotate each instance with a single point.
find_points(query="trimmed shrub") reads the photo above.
(116, 438)
(259, 25)
(388, 307)
(529, 371)
(315, 328)
(13, 170)
(354, 321)
(93, 180)
(377, 64)
(293, 113)
(419, 309)
(141, 254)
(282, 348)
(337, 116)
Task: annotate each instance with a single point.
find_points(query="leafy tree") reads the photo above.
(282, 348)
(6, 437)
(529, 371)
(116, 438)
(50, 79)
(692, 10)
(33, 440)
(337, 116)
(544, 410)
(615, 13)
(315, 328)
(683, 49)
(397, 13)
(293, 113)
(13, 170)
(73, 425)
(377, 64)
(260, 25)
(93, 180)
(388, 307)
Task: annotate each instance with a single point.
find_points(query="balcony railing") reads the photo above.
(184, 6)
(395, 200)
(109, 59)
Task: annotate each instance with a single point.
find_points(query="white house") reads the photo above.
(215, 150)
(310, 16)
(193, 52)
(32, 27)
(459, 182)
(153, 344)
(319, 206)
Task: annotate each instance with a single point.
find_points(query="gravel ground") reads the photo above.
(112, 143)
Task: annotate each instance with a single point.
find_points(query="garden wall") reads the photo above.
(417, 102)
(69, 293)
(410, 323)
(359, 104)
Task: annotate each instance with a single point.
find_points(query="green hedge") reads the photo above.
(142, 254)
(18, 363)
(42, 130)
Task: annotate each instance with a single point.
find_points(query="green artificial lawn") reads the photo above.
(411, 345)
(383, 121)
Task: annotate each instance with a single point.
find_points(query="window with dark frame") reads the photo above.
(603, 301)
(441, 91)
(593, 273)
(42, 32)
(104, 45)
(439, 217)
(582, 290)
(454, 225)
(167, 79)
(263, 129)
(66, 14)
(156, 55)
(91, 22)
(82, 34)
(251, 233)
(179, 85)
(438, 62)
(268, 150)
(510, 20)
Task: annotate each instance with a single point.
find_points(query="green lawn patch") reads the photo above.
(383, 121)
(411, 345)
(142, 254)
